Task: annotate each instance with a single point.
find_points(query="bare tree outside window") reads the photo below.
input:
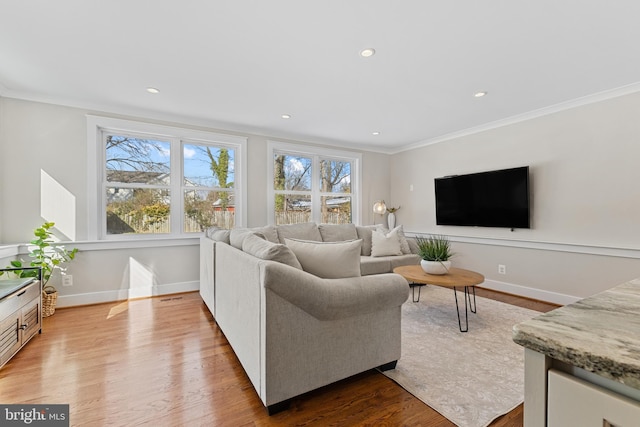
(139, 179)
(211, 170)
(138, 173)
(294, 189)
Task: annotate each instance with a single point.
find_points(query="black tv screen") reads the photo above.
(498, 198)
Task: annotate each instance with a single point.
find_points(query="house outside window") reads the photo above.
(308, 184)
(162, 181)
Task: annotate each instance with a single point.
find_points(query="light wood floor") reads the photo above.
(164, 362)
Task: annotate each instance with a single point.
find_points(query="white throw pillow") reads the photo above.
(385, 244)
(329, 260)
(264, 249)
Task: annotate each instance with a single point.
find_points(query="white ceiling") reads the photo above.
(239, 65)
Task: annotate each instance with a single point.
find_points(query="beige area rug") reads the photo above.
(470, 378)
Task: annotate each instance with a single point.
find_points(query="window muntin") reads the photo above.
(312, 187)
(157, 177)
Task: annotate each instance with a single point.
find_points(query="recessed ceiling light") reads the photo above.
(480, 94)
(286, 116)
(375, 133)
(365, 53)
(153, 90)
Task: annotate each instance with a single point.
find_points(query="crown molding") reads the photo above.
(552, 109)
(176, 119)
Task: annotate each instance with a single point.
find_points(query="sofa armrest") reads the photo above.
(330, 299)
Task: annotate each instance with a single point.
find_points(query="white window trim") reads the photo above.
(327, 153)
(95, 165)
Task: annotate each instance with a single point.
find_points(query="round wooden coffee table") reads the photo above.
(456, 277)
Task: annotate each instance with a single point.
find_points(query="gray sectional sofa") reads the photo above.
(305, 305)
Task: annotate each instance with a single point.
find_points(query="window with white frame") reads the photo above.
(154, 180)
(312, 184)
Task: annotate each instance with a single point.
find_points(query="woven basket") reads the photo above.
(49, 299)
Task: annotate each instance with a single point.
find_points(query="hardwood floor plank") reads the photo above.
(164, 362)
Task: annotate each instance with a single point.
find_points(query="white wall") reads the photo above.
(585, 235)
(38, 138)
(585, 175)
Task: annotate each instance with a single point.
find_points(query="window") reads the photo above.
(161, 181)
(308, 184)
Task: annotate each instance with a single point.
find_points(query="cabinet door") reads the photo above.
(30, 322)
(574, 402)
(9, 337)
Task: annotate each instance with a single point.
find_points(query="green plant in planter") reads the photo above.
(434, 248)
(46, 255)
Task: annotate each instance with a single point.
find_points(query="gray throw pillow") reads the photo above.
(337, 232)
(329, 260)
(237, 236)
(264, 249)
(302, 231)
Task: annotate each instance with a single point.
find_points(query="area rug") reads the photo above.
(470, 378)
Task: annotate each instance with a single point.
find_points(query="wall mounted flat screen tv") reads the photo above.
(498, 198)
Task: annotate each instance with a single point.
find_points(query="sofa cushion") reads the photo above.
(237, 236)
(263, 249)
(269, 232)
(384, 244)
(302, 231)
(218, 234)
(329, 260)
(337, 232)
(404, 243)
(413, 246)
(374, 265)
(364, 232)
(408, 259)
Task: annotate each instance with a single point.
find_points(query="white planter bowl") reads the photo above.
(435, 267)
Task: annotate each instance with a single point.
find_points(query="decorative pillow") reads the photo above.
(269, 232)
(302, 231)
(404, 243)
(329, 260)
(264, 249)
(364, 233)
(385, 244)
(218, 234)
(337, 232)
(237, 236)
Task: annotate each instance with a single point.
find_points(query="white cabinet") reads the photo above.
(574, 402)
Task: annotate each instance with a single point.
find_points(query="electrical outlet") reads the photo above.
(502, 269)
(67, 280)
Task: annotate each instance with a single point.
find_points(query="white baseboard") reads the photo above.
(125, 294)
(534, 293)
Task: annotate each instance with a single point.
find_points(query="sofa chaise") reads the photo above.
(306, 305)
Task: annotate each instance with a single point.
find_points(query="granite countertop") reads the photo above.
(600, 334)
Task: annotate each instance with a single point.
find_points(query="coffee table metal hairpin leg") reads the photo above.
(472, 307)
(466, 314)
(413, 290)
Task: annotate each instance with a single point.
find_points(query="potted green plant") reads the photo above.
(49, 257)
(435, 251)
